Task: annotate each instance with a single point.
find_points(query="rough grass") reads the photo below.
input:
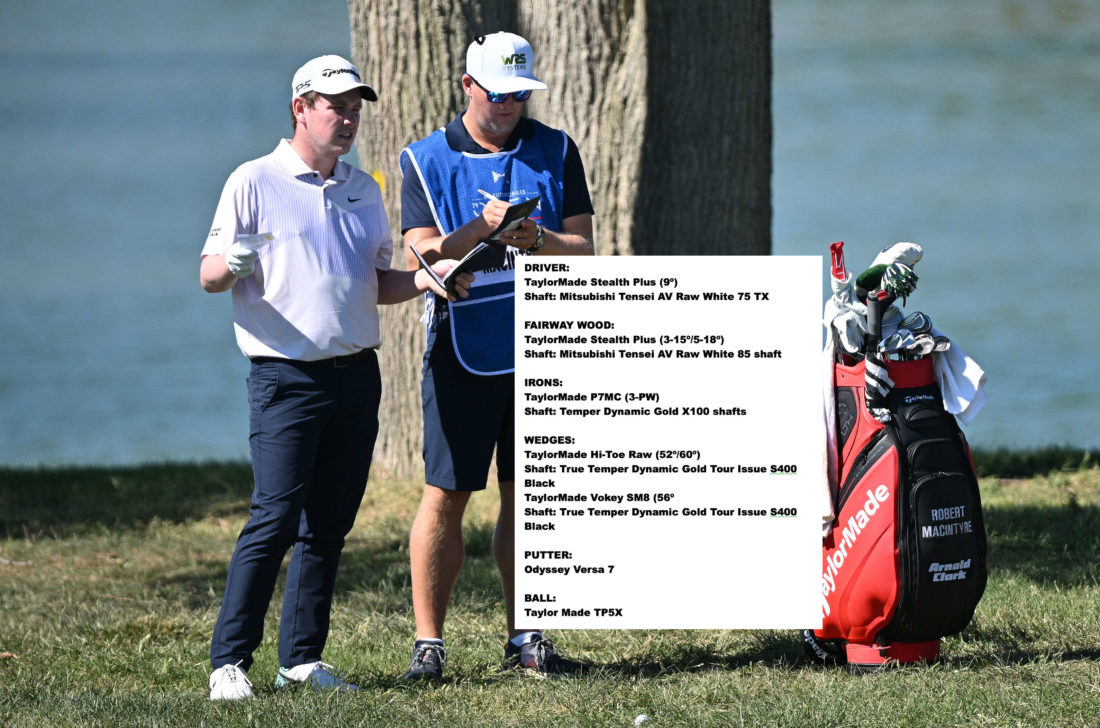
(111, 578)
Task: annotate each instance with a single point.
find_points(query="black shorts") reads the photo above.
(466, 416)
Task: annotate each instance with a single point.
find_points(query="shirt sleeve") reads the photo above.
(415, 210)
(232, 217)
(575, 197)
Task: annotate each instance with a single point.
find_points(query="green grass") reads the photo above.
(111, 579)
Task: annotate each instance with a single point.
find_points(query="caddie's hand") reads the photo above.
(523, 236)
(492, 214)
(241, 260)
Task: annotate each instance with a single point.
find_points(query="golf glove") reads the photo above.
(241, 260)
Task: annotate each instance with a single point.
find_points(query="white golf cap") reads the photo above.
(329, 75)
(502, 63)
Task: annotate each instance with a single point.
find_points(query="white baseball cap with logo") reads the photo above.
(502, 63)
(329, 75)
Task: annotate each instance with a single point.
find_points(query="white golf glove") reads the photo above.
(241, 260)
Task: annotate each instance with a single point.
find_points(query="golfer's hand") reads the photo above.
(462, 282)
(240, 260)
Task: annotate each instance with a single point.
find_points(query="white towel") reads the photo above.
(848, 320)
(832, 457)
(962, 382)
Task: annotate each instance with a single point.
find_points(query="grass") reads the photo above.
(111, 578)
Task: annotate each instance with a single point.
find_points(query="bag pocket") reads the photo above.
(942, 555)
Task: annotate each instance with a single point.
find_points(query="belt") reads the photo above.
(336, 362)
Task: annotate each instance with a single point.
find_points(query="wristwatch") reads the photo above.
(540, 239)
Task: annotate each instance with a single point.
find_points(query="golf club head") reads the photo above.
(921, 346)
(917, 322)
(890, 344)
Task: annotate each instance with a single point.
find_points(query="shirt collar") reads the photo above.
(294, 164)
(459, 139)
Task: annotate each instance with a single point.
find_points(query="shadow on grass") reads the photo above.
(380, 566)
(1045, 544)
(783, 650)
(62, 502)
(1014, 645)
(1017, 463)
(774, 649)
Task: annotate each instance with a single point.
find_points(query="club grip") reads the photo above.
(874, 322)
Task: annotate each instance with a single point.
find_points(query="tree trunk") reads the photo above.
(668, 101)
(413, 53)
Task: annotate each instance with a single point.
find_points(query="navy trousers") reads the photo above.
(312, 432)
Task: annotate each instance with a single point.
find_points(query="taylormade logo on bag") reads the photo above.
(848, 536)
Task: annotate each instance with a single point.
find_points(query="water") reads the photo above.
(966, 127)
(128, 117)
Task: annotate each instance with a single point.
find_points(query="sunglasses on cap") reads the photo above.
(495, 98)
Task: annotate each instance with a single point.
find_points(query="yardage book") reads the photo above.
(487, 253)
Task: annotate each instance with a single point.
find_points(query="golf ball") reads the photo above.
(641, 719)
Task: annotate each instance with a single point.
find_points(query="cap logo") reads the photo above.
(302, 85)
(333, 71)
(516, 59)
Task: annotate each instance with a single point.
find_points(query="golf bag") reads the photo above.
(905, 561)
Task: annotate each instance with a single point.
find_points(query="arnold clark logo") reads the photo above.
(949, 572)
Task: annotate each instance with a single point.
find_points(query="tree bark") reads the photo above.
(413, 53)
(669, 102)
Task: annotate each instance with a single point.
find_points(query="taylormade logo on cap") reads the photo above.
(329, 75)
(502, 63)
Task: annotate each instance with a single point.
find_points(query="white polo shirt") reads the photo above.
(314, 292)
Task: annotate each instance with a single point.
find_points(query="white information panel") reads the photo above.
(669, 442)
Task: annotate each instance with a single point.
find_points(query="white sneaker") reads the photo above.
(230, 682)
(318, 675)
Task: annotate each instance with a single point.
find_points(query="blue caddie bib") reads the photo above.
(458, 185)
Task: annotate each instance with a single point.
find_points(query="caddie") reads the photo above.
(458, 182)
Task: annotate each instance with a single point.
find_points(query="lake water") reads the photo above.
(966, 127)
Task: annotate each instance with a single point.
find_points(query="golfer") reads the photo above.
(302, 240)
(457, 184)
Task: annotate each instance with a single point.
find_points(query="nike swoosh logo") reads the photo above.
(354, 199)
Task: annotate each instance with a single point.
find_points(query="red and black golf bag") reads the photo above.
(905, 561)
